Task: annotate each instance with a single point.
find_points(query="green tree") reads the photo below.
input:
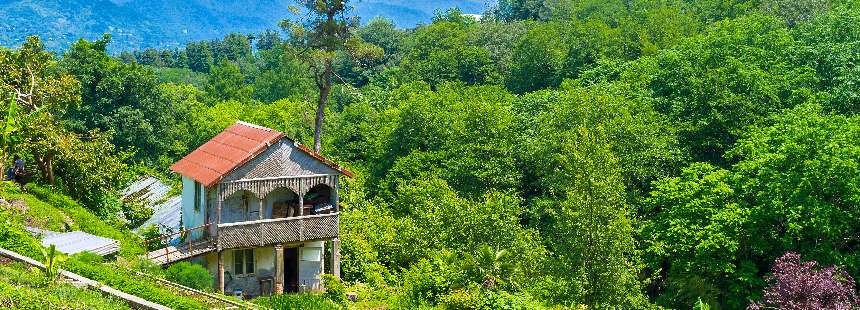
(694, 235)
(325, 33)
(732, 76)
(122, 101)
(226, 81)
(538, 58)
(587, 223)
(439, 52)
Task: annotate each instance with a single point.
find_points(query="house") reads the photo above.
(260, 211)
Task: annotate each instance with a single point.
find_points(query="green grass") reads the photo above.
(130, 283)
(43, 208)
(297, 301)
(25, 288)
(131, 245)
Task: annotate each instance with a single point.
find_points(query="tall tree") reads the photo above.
(322, 35)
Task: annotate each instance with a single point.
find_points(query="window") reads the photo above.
(243, 261)
(197, 193)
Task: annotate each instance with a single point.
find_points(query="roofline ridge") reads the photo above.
(240, 122)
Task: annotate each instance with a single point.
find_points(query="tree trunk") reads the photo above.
(325, 88)
(50, 171)
(46, 166)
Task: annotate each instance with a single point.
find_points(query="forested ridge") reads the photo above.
(577, 154)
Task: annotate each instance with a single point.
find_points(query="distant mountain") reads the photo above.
(136, 24)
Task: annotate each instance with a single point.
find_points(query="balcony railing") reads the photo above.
(272, 231)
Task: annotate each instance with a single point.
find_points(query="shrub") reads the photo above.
(334, 288)
(136, 213)
(191, 275)
(805, 285)
(475, 298)
(89, 258)
(150, 232)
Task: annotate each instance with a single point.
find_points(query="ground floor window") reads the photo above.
(243, 261)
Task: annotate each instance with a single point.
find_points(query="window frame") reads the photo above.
(198, 193)
(244, 260)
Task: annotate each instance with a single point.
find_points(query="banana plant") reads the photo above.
(52, 262)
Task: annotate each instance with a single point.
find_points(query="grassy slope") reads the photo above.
(42, 208)
(25, 288)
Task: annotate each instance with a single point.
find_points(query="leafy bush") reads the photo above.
(191, 275)
(297, 301)
(151, 232)
(804, 285)
(136, 213)
(482, 299)
(334, 288)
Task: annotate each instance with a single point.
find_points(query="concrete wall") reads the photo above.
(250, 284)
(310, 255)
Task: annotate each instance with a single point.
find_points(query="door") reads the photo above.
(291, 270)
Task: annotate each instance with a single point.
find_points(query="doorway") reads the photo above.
(291, 270)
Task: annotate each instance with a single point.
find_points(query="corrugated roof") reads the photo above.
(231, 149)
(78, 241)
(228, 150)
(152, 193)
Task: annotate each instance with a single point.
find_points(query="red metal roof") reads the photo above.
(231, 149)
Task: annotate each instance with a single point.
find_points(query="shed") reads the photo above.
(152, 193)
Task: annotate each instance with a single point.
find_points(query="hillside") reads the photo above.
(562, 155)
(42, 208)
(137, 24)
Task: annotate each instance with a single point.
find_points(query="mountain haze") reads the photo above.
(136, 24)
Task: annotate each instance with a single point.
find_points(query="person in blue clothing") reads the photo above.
(17, 171)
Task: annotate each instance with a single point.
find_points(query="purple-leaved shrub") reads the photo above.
(805, 285)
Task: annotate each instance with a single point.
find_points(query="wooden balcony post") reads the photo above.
(218, 201)
(336, 196)
(220, 285)
(301, 194)
(261, 207)
(279, 268)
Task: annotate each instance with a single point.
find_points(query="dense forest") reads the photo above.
(581, 154)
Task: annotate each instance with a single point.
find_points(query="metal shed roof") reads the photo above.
(166, 211)
(78, 241)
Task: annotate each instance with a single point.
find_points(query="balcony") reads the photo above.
(274, 231)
